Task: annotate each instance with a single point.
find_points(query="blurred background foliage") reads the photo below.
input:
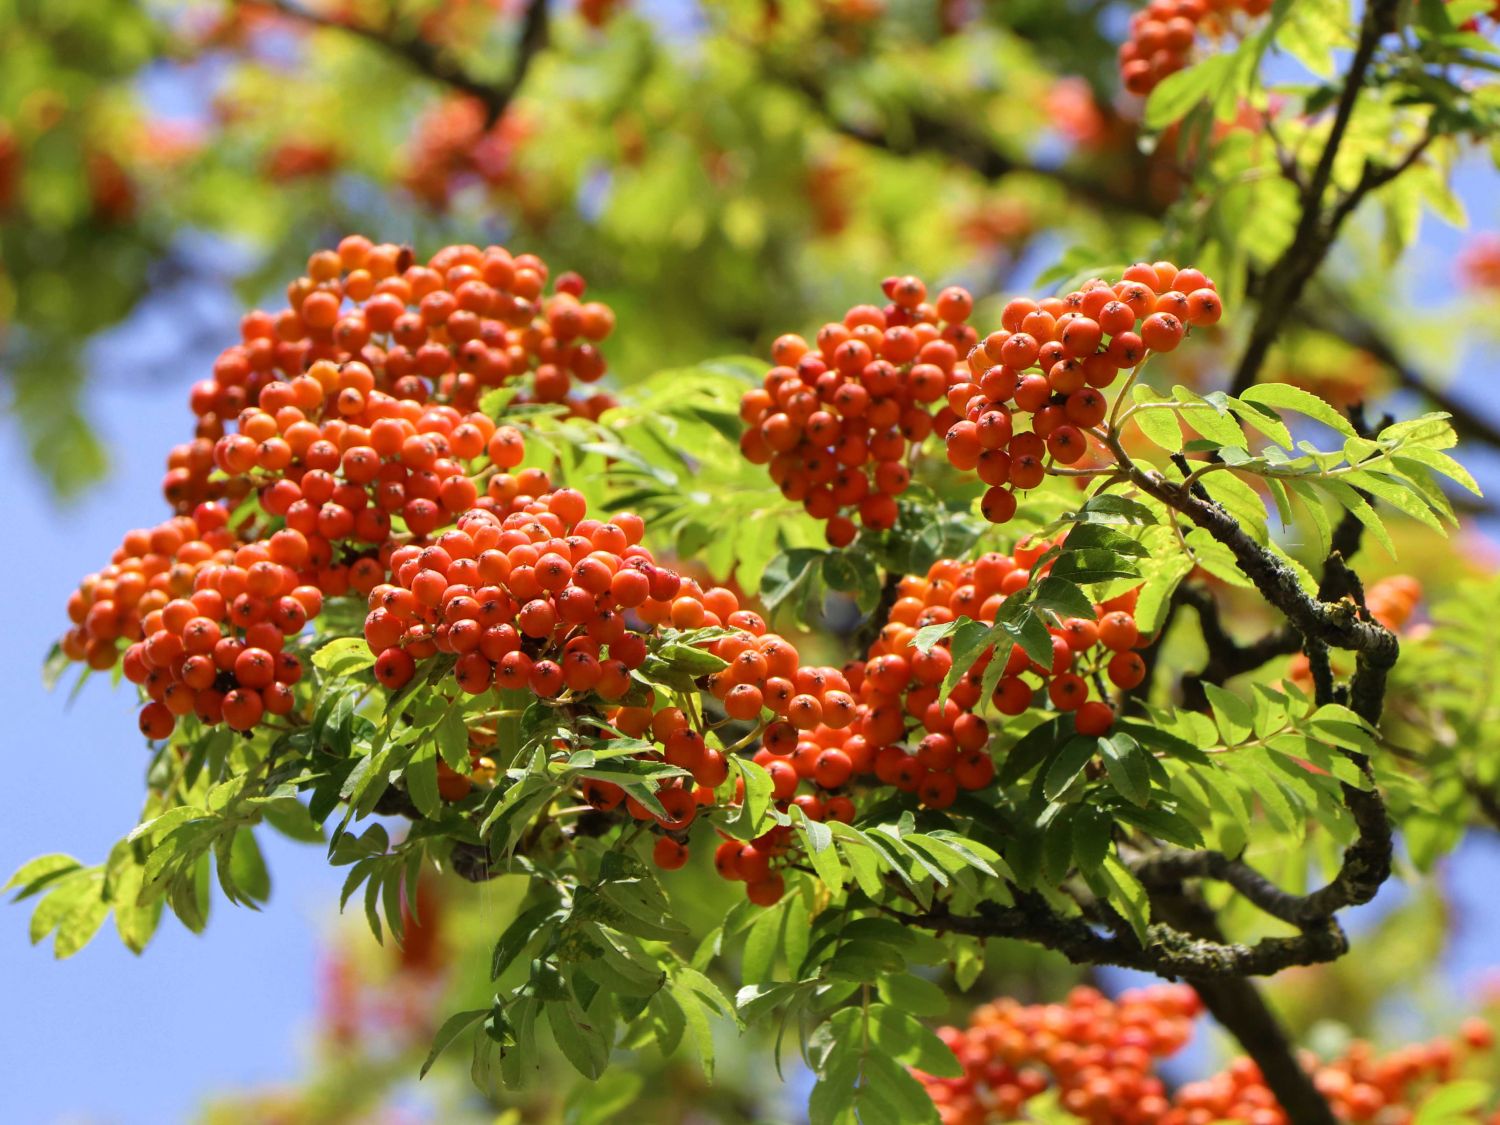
(721, 171)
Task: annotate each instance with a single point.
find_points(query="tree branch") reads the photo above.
(1168, 952)
(434, 62)
(1341, 624)
(927, 132)
(1241, 1009)
(1282, 284)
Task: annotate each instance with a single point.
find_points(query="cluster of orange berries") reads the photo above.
(350, 422)
(1053, 359)
(834, 420)
(1163, 34)
(535, 600)
(899, 683)
(806, 746)
(1479, 261)
(205, 619)
(1099, 1055)
(838, 423)
(1095, 1051)
(455, 145)
(1360, 1086)
(467, 321)
(836, 736)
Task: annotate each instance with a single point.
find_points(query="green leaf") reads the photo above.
(452, 1028)
(695, 1016)
(1283, 396)
(890, 1084)
(36, 873)
(579, 1041)
(421, 779)
(1442, 463)
(1062, 597)
(452, 737)
(1030, 751)
(817, 840)
(1159, 425)
(1452, 1104)
(1093, 834)
(1178, 94)
(1075, 754)
(1127, 766)
(853, 573)
(1127, 896)
(761, 945)
(1355, 504)
(788, 573)
(1030, 632)
(523, 929)
(248, 867)
(1231, 713)
(755, 810)
(914, 994)
(344, 656)
(1401, 495)
(902, 1037)
(78, 926)
(1322, 526)
(1263, 419)
(832, 1096)
(1163, 576)
(1093, 564)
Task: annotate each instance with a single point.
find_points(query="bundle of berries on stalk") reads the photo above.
(1162, 36)
(838, 423)
(205, 618)
(837, 738)
(1100, 1055)
(371, 337)
(835, 420)
(900, 685)
(340, 430)
(1049, 366)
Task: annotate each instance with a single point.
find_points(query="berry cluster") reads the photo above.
(835, 420)
(838, 423)
(355, 438)
(899, 683)
(533, 601)
(1360, 1086)
(834, 738)
(1096, 1052)
(805, 745)
(1099, 1055)
(1053, 359)
(1479, 262)
(455, 145)
(439, 333)
(1162, 36)
(205, 620)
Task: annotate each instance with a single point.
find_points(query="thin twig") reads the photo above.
(433, 61)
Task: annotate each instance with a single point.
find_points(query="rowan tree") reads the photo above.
(940, 614)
